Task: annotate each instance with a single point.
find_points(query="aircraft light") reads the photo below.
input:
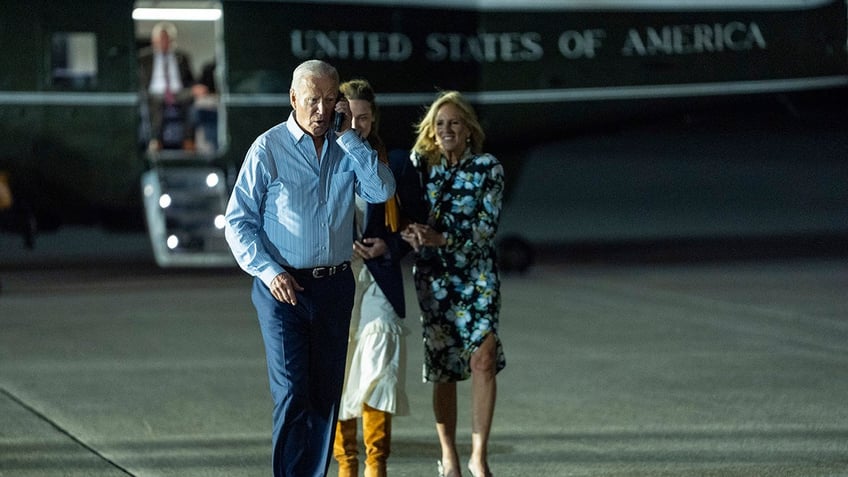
(173, 242)
(183, 14)
(212, 180)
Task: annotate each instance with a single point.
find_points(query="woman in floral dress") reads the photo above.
(455, 272)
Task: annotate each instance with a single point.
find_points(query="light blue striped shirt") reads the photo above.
(289, 209)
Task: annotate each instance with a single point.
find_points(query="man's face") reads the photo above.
(162, 42)
(314, 100)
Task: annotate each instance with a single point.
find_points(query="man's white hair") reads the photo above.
(310, 68)
(169, 27)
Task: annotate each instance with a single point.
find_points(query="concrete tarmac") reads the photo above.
(710, 368)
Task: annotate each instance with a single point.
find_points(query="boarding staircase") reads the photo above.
(184, 203)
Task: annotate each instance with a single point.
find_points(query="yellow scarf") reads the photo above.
(392, 208)
(392, 214)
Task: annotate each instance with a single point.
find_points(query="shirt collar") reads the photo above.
(297, 132)
(294, 129)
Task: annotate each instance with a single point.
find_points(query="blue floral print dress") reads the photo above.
(457, 284)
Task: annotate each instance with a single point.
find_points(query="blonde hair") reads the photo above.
(426, 145)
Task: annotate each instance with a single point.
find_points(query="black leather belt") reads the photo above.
(319, 272)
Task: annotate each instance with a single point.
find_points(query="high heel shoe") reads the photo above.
(475, 475)
(441, 468)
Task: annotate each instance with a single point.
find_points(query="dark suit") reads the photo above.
(155, 103)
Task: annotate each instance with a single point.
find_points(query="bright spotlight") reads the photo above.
(165, 201)
(220, 222)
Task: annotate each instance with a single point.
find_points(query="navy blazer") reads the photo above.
(386, 269)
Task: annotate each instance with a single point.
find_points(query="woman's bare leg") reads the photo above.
(483, 395)
(444, 409)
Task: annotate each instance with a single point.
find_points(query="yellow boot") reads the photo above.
(377, 434)
(345, 448)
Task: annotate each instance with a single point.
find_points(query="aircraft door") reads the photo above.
(180, 131)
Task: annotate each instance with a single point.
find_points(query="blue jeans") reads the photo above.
(305, 346)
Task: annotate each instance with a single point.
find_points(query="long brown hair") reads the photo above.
(361, 89)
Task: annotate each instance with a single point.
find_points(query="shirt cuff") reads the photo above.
(353, 144)
(268, 275)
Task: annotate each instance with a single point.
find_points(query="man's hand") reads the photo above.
(343, 107)
(283, 288)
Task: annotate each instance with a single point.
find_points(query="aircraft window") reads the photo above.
(73, 62)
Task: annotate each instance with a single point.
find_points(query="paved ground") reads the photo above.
(641, 368)
(695, 325)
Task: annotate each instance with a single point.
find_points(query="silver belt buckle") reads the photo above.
(316, 272)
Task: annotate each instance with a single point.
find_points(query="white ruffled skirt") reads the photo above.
(376, 354)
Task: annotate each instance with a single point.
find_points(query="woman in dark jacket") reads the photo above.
(376, 361)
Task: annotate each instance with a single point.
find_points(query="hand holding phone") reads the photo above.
(338, 118)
